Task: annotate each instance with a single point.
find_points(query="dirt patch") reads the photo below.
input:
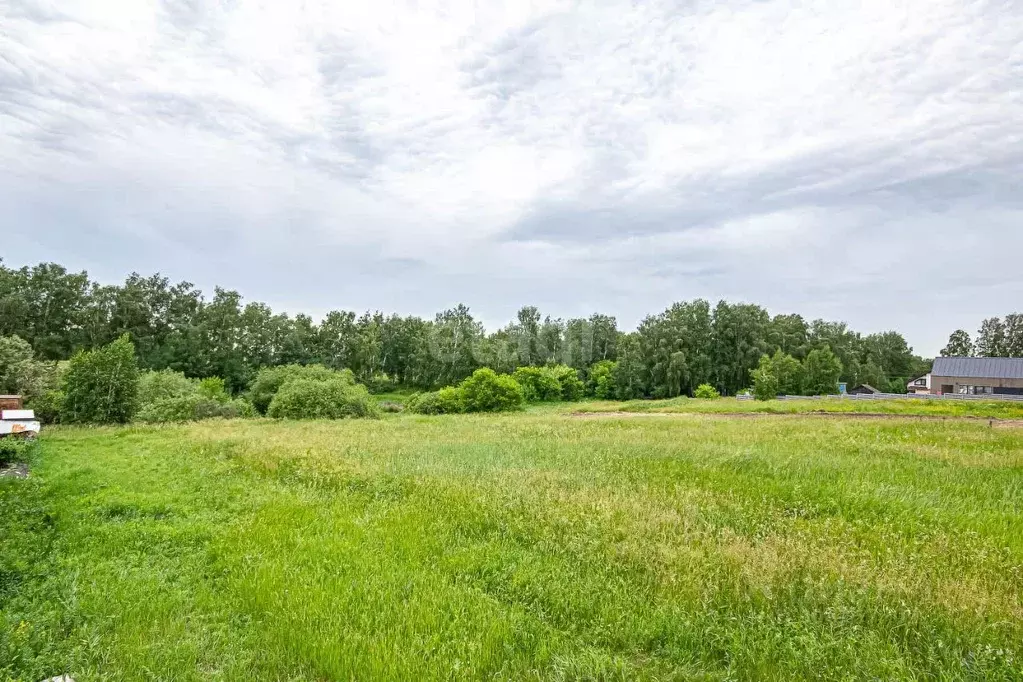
(999, 423)
(14, 471)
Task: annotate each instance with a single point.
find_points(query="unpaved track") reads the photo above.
(993, 422)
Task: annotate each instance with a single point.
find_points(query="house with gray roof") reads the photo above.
(977, 376)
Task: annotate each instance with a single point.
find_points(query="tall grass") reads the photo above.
(896, 406)
(530, 546)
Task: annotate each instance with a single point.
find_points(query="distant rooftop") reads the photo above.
(980, 368)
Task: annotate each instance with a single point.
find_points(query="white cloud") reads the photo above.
(616, 155)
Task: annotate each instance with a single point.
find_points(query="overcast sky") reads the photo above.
(858, 160)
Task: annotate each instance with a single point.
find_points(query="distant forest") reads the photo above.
(175, 326)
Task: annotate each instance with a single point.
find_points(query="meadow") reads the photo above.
(538, 545)
(995, 409)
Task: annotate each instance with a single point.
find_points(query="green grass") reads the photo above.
(898, 406)
(528, 546)
(395, 397)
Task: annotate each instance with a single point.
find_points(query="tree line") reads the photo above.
(996, 338)
(176, 326)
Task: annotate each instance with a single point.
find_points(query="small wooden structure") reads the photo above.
(10, 402)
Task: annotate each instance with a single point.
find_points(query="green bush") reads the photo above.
(13, 450)
(572, 387)
(214, 388)
(101, 385)
(765, 382)
(155, 386)
(539, 384)
(602, 382)
(238, 408)
(380, 383)
(335, 398)
(706, 392)
(448, 400)
(488, 391)
(269, 381)
(193, 408)
(48, 406)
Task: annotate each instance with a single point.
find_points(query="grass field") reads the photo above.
(526, 546)
(901, 406)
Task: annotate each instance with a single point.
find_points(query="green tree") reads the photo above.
(789, 372)
(840, 340)
(337, 339)
(991, 339)
(539, 384)
(452, 342)
(601, 380)
(101, 385)
(20, 373)
(740, 339)
(526, 335)
(959, 345)
(1014, 335)
(789, 334)
(822, 370)
(765, 380)
(630, 371)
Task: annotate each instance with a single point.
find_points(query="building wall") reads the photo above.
(937, 382)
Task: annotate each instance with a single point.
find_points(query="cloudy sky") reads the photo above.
(859, 160)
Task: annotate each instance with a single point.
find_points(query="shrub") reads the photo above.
(269, 380)
(488, 391)
(335, 398)
(239, 408)
(155, 386)
(101, 385)
(193, 408)
(539, 384)
(706, 392)
(20, 373)
(572, 387)
(601, 384)
(448, 400)
(380, 383)
(48, 406)
(13, 450)
(214, 388)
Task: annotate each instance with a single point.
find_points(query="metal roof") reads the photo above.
(979, 368)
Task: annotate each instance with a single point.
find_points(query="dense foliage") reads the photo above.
(270, 379)
(174, 326)
(101, 385)
(996, 338)
(168, 396)
(782, 374)
(706, 392)
(488, 391)
(544, 384)
(334, 398)
(484, 391)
